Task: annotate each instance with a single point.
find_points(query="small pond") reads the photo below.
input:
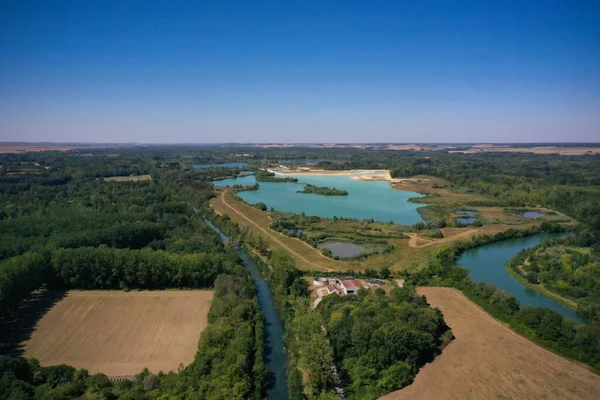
(343, 249)
(466, 212)
(221, 165)
(466, 220)
(530, 214)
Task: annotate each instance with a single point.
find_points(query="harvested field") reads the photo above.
(30, 147)
(489, 361)
(120, 333)
(128, 178)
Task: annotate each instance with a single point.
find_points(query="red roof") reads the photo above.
(331, 288)
(351, 284)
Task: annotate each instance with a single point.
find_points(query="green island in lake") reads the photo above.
(266, 176)
(323, 190)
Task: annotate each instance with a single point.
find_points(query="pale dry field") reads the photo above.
(487, 360)
(120, 333)
(563, 151)
(137, 178)
(34, 148)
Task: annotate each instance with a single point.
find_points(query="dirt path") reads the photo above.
(275, 239)
(487, 360)
(414, 238)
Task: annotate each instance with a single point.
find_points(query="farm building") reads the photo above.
(332, 289)
(351, 286)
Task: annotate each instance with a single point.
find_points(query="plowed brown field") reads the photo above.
(489, 361)
(119, 333)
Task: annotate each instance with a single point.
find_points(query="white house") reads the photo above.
(350, 286)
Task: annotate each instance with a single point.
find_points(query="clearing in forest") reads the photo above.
(136, 178)
(121, 333)
(487, 360)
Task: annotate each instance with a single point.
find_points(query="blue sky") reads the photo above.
(300, 71)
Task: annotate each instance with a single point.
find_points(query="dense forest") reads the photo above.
(323, 190)
(380, 341)
(64, 227)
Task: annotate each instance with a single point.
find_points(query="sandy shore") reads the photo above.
(365, 174)
(357, 174)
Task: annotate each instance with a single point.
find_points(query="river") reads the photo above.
(274, 344)
(488, 264)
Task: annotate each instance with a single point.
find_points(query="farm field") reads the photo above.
(121, 333)
(487, 360)
(137, 178)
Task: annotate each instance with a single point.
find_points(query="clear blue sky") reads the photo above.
(299, 71)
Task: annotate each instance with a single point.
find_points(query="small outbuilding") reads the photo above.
(318, 281)
(332, 289)
(350, 286)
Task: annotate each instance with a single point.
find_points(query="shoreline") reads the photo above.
(366, 174)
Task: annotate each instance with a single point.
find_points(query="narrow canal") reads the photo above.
(277, 389)
(488, 264)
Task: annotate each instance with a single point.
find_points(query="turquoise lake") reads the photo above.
(365, 200)
(488, 264)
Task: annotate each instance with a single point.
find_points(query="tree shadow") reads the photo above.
(18, 326)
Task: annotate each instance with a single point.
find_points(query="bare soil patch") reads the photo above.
(487, 360)
(119, 333)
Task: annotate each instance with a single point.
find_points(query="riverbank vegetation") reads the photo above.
(564, 268)
(322, 190)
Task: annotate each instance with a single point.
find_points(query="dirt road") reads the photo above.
(414, 239)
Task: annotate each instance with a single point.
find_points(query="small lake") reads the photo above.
(466, 212)
(221, 165)
(342, 249)
(466, 220)
(365, 200)
(488, 264)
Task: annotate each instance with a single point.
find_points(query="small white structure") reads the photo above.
(350, 286)
(400, 282)
(317, 281)
(332, 289)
